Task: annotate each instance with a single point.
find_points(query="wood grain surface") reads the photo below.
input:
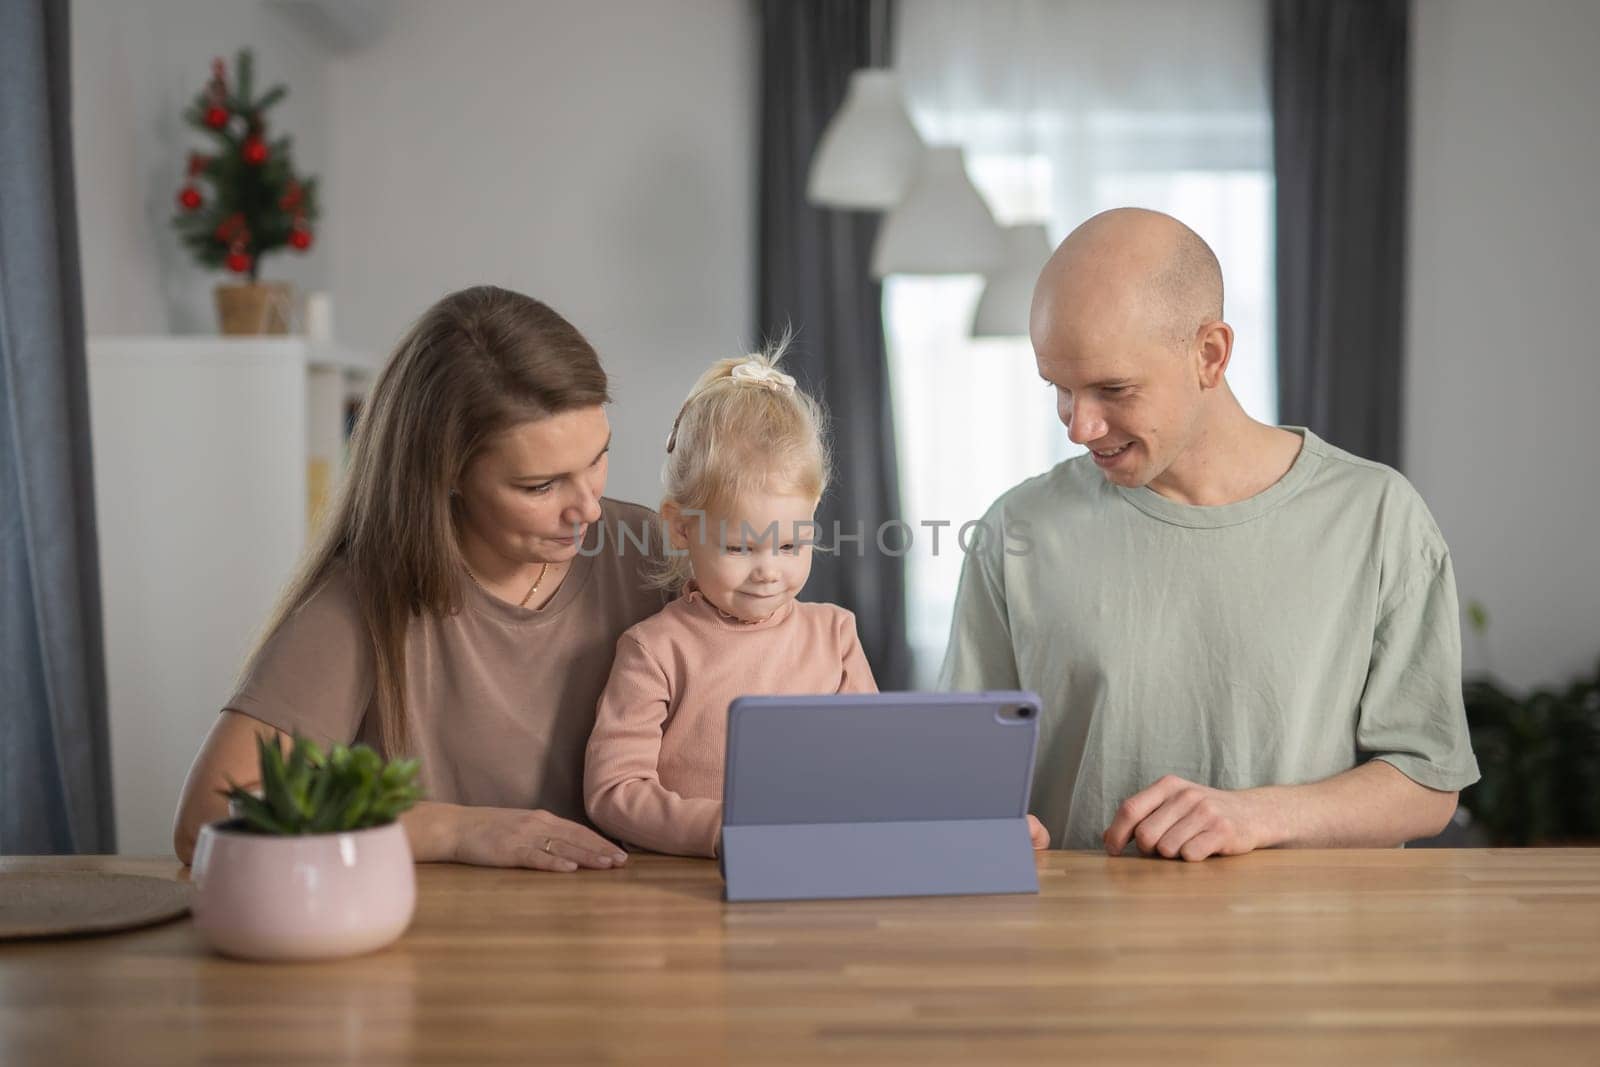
(1418, 956)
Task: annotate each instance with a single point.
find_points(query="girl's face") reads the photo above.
(750, 559)
(532, 492)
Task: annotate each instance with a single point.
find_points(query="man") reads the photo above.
(1243, 637)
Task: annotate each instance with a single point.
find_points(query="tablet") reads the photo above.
(882, 794)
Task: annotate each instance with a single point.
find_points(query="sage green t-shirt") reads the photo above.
(1279, 640)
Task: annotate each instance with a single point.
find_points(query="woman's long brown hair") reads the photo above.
(477, 363)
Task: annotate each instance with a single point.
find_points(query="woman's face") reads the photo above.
(532, 492)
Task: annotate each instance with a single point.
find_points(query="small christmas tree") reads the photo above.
(256, 204)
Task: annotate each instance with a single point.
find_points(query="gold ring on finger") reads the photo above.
(547, 843)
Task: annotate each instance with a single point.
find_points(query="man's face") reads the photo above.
(1124, 390)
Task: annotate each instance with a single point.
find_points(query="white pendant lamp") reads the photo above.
(869, 151)
(1008, 292)
(942, 226)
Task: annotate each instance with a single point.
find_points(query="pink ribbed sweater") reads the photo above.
(653, 772)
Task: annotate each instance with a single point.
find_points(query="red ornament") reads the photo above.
(254, 151)
(232, 228)
(217, 117)
(189, 198)
(300, 239)
(239, 262)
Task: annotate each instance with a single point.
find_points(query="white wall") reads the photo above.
(135, 67)
(599, 156)
(1502, 437)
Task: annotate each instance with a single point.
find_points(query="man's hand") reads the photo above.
(1038, 836)
(1177, 818)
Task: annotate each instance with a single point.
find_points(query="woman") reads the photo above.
(463, 600)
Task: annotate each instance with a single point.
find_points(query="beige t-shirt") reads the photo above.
(500, 700)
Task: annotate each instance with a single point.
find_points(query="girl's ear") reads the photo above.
(677, 525)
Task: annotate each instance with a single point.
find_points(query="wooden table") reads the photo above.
(1278, 957)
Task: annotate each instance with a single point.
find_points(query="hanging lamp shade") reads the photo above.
(942, 226)
(1008, 291)
(869, 150)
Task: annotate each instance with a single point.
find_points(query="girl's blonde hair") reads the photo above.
(477, 363)
(744, 428)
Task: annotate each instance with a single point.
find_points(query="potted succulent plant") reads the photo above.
(317, 865)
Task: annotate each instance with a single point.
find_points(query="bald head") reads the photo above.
(1133, 268)
(1127, 327)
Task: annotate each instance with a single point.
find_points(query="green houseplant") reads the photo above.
(1539, 754)
(311, 792)
(314, 866)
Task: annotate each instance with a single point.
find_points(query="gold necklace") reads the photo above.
(534, 588)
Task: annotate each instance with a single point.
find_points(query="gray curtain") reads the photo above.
(813, 275)
(1339, 107)
(55, 759)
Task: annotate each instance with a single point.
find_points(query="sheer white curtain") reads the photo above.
(1065, 108)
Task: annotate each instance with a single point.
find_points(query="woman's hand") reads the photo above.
(1037, 834)
(506, 837)
(489, 837)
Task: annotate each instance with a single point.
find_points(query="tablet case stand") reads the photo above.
(879, 795)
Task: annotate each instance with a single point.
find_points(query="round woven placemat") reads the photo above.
(66, 903)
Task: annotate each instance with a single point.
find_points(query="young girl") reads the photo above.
(746, 464)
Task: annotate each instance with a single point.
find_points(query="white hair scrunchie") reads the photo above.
(755, 373)
(750, 372)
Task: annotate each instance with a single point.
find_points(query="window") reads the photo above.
(972, 417)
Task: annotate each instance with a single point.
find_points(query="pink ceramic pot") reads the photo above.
(319, 896)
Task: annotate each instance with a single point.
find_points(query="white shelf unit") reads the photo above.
(209, 454)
